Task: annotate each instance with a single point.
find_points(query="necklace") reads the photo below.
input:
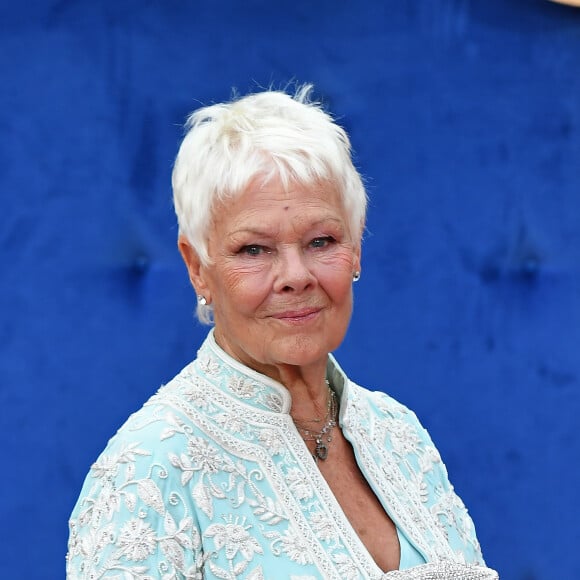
(323, 437)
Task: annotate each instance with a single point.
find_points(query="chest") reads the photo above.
(360, 505)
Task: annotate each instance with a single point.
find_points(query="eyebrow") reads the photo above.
(253, 231)
(263, 231)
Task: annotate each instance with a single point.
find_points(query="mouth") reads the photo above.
(297, 316)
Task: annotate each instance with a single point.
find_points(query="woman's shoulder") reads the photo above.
(381, 403)
(158, 424)
(155, 434)
(147, 452)
(398, 444)
(388, 419)
(134, 507)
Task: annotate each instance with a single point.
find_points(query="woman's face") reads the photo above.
(281, 275)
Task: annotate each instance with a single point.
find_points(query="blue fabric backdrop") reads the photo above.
(465, 117)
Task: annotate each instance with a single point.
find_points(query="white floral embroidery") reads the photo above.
(428, 459)
(256, 574)
(242, 387)
(295, 547)
(325, 528)
(204, 457)
(210, 480)
(234, 537)
(404, 437)
(299, 484)
(272, 441)
(137, 540)
(194, 393)
(230, 422)
(273, 401)
(209, 364)
(346, 567)
(107, 465)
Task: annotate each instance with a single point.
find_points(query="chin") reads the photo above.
(301, 350)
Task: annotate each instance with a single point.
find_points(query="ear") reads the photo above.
(194, 267)
(356, 258)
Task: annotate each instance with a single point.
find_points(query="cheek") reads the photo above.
(341, 262)
(244, 288)
(335, 276)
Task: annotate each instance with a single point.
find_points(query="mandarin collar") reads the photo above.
(251, 387)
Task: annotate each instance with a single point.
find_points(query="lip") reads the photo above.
(297, 316)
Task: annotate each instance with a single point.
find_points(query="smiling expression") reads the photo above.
(280, 277)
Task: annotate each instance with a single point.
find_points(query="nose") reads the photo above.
(292, 271)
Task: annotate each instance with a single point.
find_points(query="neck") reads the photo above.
(317, 433)
(305, 383)
(322, 407)
(309, 398)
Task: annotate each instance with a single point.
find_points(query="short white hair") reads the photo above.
(265, 135)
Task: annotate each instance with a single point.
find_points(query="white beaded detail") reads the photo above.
(443, 571)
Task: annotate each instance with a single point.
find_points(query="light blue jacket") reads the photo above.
(210, 479)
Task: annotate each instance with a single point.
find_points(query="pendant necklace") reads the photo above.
(323, 437)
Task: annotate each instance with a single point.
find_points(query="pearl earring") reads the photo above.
(356, 276)
(201, 300)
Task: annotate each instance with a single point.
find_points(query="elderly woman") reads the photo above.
(262, 459)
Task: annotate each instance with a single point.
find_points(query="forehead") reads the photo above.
(308, 200)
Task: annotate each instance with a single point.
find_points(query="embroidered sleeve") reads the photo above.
(132, 520)
(445, 505)
(421, 464)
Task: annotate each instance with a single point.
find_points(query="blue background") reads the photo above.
(465, 118)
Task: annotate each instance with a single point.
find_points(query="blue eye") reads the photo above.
(252, 250)
(321, 242)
